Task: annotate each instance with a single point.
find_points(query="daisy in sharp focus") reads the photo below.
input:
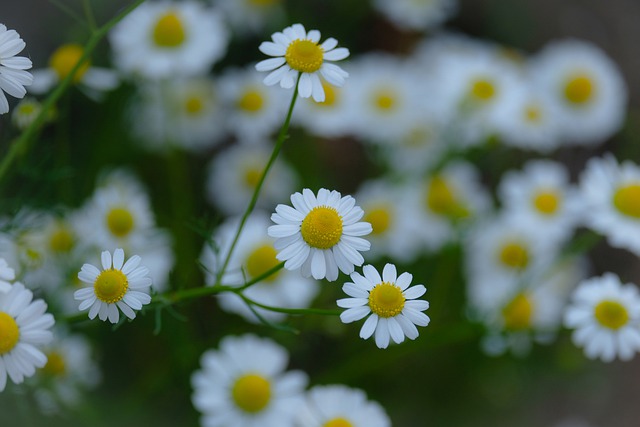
(24, 326)
(119, 285)
(297, 51)
(13, 74)
(389, 302)
(605, 316)
(341, 406)
(320, 234)
(244, 383)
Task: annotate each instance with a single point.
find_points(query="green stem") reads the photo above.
(88, 13)
(276, 150)
(318, 311)
(21, 144)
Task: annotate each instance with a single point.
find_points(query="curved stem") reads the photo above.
(318, 311)
(276, 150)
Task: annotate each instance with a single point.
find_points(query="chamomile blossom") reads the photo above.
(611, 193)
(118, 285)
(416, 15)
(7, 275)
(24, 327)
(341, 406)
(13, 74)
(605, 316)
(244, 383)
(297, 51)
(168, 39)
(388, 301)
(320, 234)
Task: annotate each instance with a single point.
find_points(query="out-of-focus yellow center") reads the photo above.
(579, 89)
(627, 200)
(380, 218)
(56, 366)
(252, 176)
(518, 313)
(483, 90)
(611, 314)
(9, 333)
(546, 202)
(120, 221)
(442, 200)
(111, 286)
(533, 113)
(322, 227)
(330, 96)
(304, 56)
(384, 100)
(193, 105)
(61, 240)
(337, 422)
(386, 300)
(65, 58)
(251, 393)
(169, 31)
(514, 255)
(262, 259)
(251, 101)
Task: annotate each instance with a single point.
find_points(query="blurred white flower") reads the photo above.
(13, 74)
(250, 16)
(297, 51)
(7, 275)
(416, 15)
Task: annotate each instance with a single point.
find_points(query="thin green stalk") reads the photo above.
(21, 144)
(88, 13)
(321, 312)
(276, 150)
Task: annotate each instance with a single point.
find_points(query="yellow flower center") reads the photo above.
(386, 300)
(330, 95)
(65, 58)
(379, 218)
(384, 100)
(441, 199)
(514, 255)
(56, 365)
(532, 113)
(304, 56)
(482, 90)
(611, 314)
(579, 89)
(517, 314)
(120, 221)
(27, 108)
(193, 105)
(251, 101)
(546, 202)
(252, 176)
(262, 259)
(169, 31)
(251, 393)
(627, 200)
(9, 333)
(110, 286)
(322, 227)
(337, 422)
(61, 240)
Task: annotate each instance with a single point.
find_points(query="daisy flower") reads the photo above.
(26, 112)
(611, 193)
(244, 383)
(320, 234)
(168, 39)
(297, 51)
(23, 326)
(605, 316)
(341, 406)
(415, 15)
(7, 275)
(13, 74)
(388, 301)
(119, 285)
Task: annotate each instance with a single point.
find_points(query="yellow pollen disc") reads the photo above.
(483, 90)
(611, 314)
(27, 108)
(61, 240)
(330, 95)
(386, 300)
(579, 89)
(627, 200)
(262, 259)
(517, 314)
(252, 176)
(65, 58)
(322, 227)
(169, 31)
(442, 200)
(251, 101)
(384, 100)
(379, 218)
(304, 56)
(110, 286)
(120, 221)
(514, 255)
(193, 105)
(546, 202)
(9, 333)
(56, 365)
(251, 392)
(532, 113)
(337, 422)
